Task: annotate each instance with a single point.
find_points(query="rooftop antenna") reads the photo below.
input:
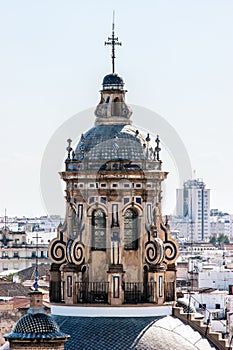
(113, 41)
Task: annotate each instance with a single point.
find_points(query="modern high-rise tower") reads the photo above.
(193, 203)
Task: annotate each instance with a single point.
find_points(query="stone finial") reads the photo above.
(157, 149)
(148, 138)
(69, 148)
(74, 158)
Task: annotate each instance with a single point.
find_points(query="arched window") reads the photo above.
(130, 230)
(98, 230)
(116, 107)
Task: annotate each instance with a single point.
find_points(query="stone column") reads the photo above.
(157, 274)
(115, 271)
(55, 284)
(70, 272)
(115, 280)
(170, 283)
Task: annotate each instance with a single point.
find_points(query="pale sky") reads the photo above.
(176, 59)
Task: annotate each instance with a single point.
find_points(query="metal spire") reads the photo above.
(113, 41)
(36, 283)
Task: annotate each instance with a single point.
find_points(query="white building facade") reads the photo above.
(221, 224)
(218, 277)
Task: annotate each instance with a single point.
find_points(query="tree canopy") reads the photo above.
(220, 240)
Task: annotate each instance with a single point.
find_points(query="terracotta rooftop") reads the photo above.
(11, 289)
(29, 273)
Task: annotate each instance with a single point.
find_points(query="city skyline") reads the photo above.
(175, 60)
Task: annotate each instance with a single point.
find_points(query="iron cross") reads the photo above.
(113, 41)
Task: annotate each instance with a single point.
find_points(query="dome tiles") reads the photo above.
(36, 326)
(112, 81)
(139, 333)
(106, 142)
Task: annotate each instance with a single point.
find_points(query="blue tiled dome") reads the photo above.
(36, 323)
(106, 142)
(35, 326)
(112, 79)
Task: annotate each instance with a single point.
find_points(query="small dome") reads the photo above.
(113, 81)
(34, 326)
(36, 323)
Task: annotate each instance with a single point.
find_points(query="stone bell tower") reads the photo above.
(113, 247)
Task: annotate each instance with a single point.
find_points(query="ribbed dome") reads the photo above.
(106, 142)
(34, 326)
(170, 333)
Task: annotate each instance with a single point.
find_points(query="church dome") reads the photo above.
(109, 142)
(34, 326)
(138, 333)
(171, 333)
(112, 81)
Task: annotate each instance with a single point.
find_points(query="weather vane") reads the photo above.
(113, 41)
